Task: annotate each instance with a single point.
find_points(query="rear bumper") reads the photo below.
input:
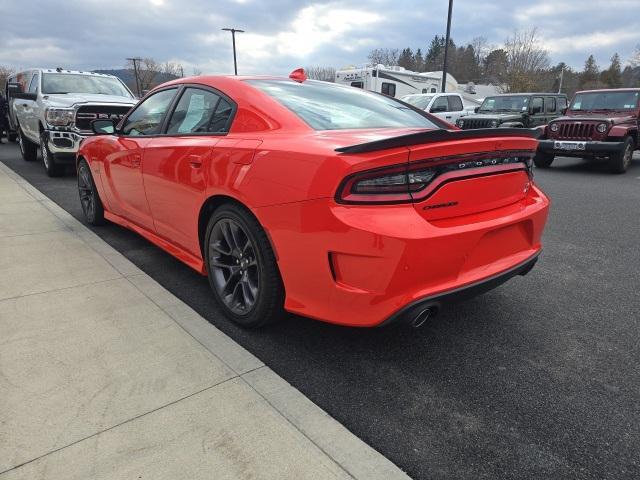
(363, 265)
(407, 314)
(585, 148)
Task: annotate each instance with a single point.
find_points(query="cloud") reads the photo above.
(284, 34)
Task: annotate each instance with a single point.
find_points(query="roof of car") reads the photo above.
(546, 94)
(610, 90)
(71, 72)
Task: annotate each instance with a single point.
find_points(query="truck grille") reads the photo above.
(86, 114)
(584, 131)
(475, 123)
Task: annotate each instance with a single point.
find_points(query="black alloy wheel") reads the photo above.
(234, 266)
(242, 268)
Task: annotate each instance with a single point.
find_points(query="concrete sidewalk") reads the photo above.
(106, 375)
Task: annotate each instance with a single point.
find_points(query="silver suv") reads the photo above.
(52, 109)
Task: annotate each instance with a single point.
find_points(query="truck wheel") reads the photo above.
(48, 159)
(13, 137)
(543, 160)
(89, 197)
(28, 149)
(619, 162)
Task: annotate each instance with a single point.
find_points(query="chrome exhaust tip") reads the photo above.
(423, 315)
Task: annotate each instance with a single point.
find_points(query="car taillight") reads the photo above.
(404, 183)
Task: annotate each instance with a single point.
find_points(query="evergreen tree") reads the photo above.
(407, 59)
(418, 61)
(612, 77)
(591, 74)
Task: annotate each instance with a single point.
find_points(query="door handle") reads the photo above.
(449, 117)
(195, 161)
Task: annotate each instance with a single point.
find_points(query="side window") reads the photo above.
(537, 105)
(433, 90)
(550, 105)
(357, 84)
(33, 86)
(455, 103)
(389, 89)
(200, 111)
(440, 104)
(147, 118)
(562, 103)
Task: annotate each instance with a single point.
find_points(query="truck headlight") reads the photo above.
(59, 117)
(460, 123)
(494, 123)
(554, 127)
(602, 127)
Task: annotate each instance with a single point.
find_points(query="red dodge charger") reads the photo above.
(328, 201)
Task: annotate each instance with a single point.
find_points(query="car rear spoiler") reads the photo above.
(432, 136)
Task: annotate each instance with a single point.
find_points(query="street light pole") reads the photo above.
(446, 48)
(233, 40)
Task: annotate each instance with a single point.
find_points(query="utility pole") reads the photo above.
(233, 40)
(561, 80)
(446, 48)
(135, 61)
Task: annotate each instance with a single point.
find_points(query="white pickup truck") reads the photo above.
(447, 106)
(52, 110)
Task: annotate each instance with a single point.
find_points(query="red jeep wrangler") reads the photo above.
(598, 123)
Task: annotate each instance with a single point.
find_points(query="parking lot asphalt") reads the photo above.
(539, 378)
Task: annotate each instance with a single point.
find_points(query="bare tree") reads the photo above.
(5, 72)
(173, 69)
(148, 70)
(526, 60)
(196, 72)
(326, 74)
(385, 56)
(481, 49)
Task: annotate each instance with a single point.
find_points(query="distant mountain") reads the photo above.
(126, 75)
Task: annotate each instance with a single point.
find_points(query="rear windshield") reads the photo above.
(325, 106)
(605, 101)
(77, 83)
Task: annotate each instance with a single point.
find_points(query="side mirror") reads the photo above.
(475, 110)
(536, 110)
(440, 108)
(103, 127)
(13, 88)
(564, 111)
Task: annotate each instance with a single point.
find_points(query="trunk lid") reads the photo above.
(473, 175)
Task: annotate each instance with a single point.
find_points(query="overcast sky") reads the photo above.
(284, 34)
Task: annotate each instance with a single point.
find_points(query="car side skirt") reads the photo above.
(191, 260)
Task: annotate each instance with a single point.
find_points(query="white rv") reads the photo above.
(393, 81)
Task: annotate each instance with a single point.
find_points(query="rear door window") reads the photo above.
(200, 111)
(455, 103)
(550, 105)
(537, 105)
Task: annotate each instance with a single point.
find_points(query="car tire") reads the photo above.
(92, 207)
(242, 268)
(12, 137)
(28, 149)
(620, 162)
(543, 160)
(48, 159)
